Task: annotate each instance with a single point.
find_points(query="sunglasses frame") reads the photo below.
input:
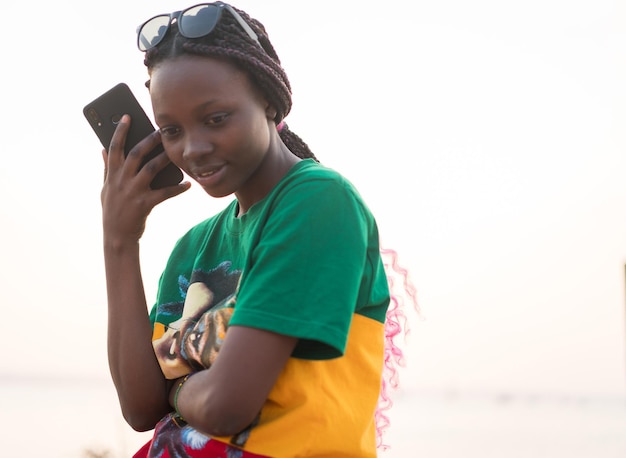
(177, 15)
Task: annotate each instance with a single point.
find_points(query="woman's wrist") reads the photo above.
(119, 245)
(177, 417)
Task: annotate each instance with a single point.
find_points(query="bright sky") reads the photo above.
(487, 137)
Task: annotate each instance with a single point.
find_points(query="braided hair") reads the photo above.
(229, 41)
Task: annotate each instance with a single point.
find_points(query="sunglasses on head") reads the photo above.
(194, 22)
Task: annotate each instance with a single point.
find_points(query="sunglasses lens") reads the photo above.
(199, 20)
(152, 32)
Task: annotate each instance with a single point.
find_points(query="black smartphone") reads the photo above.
(104, 113)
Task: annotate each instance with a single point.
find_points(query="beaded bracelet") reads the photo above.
(177, 417)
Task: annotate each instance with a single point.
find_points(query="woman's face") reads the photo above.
(214, 125)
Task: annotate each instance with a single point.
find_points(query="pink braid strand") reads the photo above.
(401, 290)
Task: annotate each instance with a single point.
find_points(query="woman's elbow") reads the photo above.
(139, 424)
(141, 421)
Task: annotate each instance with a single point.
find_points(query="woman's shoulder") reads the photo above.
(311, 187)
(311, 169)
(309, 173)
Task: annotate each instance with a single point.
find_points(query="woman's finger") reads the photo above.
(105, 159)
(137, 154)
(118, 141)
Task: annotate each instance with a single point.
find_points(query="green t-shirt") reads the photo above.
(303, 262)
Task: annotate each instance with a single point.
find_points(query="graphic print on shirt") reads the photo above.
(193, 341)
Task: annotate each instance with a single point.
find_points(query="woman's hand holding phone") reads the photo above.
(127, 197)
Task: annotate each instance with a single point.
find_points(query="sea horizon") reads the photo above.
(79, 417)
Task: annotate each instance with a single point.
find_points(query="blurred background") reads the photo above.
(487, 137)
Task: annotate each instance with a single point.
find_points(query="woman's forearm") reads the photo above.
(141, 387)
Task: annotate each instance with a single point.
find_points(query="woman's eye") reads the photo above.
(217, 119)
(168, 131)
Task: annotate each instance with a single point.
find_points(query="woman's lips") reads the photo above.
(208, 175)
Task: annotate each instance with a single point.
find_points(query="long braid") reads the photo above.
(229, 41)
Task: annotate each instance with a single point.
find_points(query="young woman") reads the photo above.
(267, 336)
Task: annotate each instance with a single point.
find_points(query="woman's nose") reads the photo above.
(197, 146)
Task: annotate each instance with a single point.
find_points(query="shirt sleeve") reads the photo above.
(306, 267)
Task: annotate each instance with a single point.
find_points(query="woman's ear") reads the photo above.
(270, 112)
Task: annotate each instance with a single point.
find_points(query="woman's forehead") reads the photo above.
(195, 70)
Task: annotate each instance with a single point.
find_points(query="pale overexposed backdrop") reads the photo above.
(488, 138)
